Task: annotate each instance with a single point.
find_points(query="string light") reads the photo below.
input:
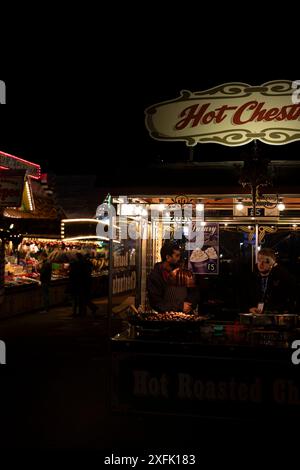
(28, 192)
(96, 221)
(281, 206)
(26, 163)
(90, 237)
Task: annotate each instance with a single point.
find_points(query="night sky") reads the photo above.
(77, 90)
(91, 120)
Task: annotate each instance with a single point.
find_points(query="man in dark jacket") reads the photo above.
(157, 282)
(80, 279)
(273, 288)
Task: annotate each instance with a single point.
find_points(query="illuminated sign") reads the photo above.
(11, 162)
(230, 114)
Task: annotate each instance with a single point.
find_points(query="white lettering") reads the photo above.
(2, 92)
(2, 352)
(296, 354)
(115, 460)
(296, 93)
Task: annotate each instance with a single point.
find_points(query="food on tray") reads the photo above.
(169, 316)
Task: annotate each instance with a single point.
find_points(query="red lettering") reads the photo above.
(199, 114)
(208, 117)
(259, 113)
(193, 114)
(283, 114)
(220, 114)
(237, 117)
(294, 112)
(271, 114)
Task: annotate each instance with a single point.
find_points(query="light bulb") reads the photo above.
(281, 206)
(240, 206)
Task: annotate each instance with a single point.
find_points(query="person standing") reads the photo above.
(166, 291)
(88, 285)
(45, 279)
(76, 285)
(273, 288)
(80, 279)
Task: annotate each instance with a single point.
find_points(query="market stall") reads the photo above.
(22, 276)
(244, 359)
(226, 357)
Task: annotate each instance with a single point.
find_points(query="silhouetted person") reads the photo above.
(45, 269)
(80, 285)
(89, 280)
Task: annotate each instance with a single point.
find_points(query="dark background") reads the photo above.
(91, 120)
(78, 80)
(77, 86)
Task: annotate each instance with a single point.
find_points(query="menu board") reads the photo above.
(204, 259)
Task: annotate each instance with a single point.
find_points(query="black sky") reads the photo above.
(78, 83)
(89, 117)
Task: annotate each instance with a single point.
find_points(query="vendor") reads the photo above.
(169, 287)
(273, 288)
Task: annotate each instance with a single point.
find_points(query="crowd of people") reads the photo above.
(172, 287)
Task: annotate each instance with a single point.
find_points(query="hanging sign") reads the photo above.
(230, 114)
(204, 259)
(11, 162)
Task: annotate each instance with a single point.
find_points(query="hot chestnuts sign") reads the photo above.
(230, 114)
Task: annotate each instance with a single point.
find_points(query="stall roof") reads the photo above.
(8, 161)
(44, 206)
(204, 179)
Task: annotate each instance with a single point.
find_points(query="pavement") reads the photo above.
(54, 386)
(55, 391)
